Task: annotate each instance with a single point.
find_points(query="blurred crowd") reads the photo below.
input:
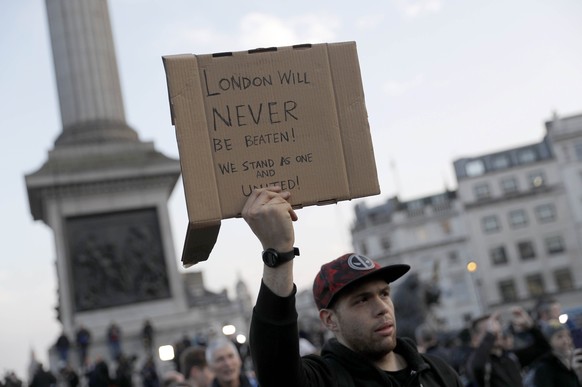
(511, 347)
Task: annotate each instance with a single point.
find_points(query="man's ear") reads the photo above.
(329, 319)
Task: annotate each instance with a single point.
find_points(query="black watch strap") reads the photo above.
(273, 258)
(289, 255)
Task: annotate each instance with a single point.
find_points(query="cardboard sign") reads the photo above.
(288, 116)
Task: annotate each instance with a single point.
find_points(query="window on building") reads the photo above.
(440, 200)
(536, 179)
(526, 250)
(535, 284)
(563, 278)
(386, 243)
(555, 245)
(475, 168)
(517, 218)
(500, 162)
(453, 257)
(415, 205)
(526, 156)
(415, 208)
(546, 213)
(490, 224)
(498, 255)
(507, 290)
(482, 191)
(578, 151)
(509, 185)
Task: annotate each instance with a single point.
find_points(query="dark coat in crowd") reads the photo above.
(551, 371)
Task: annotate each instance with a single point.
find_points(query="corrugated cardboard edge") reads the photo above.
(357, 144)
(200, 236)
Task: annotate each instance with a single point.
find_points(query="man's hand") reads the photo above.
(270, 216)
(493, 324)
(520, 319)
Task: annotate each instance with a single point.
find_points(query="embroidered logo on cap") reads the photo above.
(359, 262)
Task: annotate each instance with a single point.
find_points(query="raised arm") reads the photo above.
(270, 217)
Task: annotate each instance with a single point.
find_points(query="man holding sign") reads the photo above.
(353, 296)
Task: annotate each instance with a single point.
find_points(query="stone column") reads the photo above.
(86, 73)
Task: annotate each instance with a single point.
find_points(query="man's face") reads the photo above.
(365, 320)
(499, 343)
(561, 341)
(226, 364)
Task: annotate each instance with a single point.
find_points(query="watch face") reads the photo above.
(270, 258)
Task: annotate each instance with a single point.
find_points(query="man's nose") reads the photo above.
(381, 306)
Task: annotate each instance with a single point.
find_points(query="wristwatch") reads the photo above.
(273, 258)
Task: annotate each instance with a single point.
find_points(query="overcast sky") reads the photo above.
(443, 79)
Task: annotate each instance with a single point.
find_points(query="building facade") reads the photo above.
(522, 217)
(516, 217)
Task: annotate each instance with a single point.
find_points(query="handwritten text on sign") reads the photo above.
(278, 122)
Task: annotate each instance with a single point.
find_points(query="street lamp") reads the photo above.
(241, 339)
(166, 352)
(472, 269)
(228, 329)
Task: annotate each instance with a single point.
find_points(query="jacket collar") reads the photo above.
(404, 347)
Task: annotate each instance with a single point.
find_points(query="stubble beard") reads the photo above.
(375, 349)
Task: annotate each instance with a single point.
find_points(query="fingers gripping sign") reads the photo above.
(270, 217)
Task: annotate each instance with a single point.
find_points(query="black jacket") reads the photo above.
(274, 345)
(550, 371)
(243, 380)
(504, 370)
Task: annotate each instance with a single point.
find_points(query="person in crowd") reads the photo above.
(195, 368)
(69, 376)
(547, 309)
(179, 347)
(63, 345)
(352, 294)
(124, 370)
(226, 364)
(43, 378)
(428, 342)
(459, 353)
(98, 374)
(11, 380)
(83, 340)
(114, 340)
(149, 373)
(147, 336)
(562, 365)
(491, 364)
